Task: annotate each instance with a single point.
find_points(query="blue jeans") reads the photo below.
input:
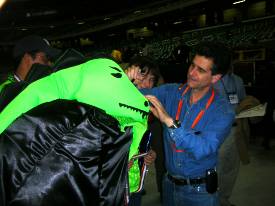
(187, 195)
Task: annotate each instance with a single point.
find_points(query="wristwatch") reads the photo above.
(176, 124)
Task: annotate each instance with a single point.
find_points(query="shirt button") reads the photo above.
(179, 164)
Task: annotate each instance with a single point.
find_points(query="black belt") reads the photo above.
(177, 181)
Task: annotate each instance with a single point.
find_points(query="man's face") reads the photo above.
(41, 58)
(147, 82)
(199, 73)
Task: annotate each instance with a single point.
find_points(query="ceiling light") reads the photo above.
(238, 2)
(137, 12)
(2, 3)
(81, 22)
(177, 22)
(41, 13)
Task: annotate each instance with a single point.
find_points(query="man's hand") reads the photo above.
(158, 110)
(150, 157)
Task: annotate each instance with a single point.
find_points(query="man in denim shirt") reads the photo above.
(196, 120)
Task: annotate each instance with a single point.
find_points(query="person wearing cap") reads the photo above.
(30, 53)
(30, 50)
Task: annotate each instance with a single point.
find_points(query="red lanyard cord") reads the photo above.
(180, 102)
(201, 113)
(199, 116)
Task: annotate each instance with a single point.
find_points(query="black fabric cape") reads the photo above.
(63, 153)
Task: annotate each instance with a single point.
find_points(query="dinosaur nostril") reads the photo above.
(146, 103)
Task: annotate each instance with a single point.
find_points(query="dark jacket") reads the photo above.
(63, 153)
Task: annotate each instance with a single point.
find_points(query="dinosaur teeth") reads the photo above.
(143, 113)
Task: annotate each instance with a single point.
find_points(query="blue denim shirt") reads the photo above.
(231, 84)
(190, 152)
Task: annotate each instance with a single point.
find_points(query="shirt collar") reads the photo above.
(202, 102)
(17, 78)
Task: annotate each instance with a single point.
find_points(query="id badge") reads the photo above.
(233, 98)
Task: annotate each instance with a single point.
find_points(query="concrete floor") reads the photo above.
(255, 185)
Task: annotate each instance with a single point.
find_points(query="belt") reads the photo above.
(178, 181)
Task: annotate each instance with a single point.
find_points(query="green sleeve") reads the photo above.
(44, 90)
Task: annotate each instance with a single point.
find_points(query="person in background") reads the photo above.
(29, 51)
(196, 120)
(117, 55)
(150, 77)
(232, 87)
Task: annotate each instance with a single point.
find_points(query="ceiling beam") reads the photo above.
(133, 17)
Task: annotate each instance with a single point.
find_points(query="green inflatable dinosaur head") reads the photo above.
(100, 83)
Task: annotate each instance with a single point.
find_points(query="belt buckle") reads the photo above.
(196, 181)
(188, 181)
(178, 181)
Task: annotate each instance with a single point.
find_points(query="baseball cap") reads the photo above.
(34, 43)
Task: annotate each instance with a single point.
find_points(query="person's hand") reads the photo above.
(134, 73)
(158, 110)
(150, 157)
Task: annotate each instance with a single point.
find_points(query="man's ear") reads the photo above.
(216, 78)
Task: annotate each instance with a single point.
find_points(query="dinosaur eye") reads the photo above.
(146, 104)
(116, 75)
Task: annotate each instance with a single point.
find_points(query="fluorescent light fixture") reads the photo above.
(238, 2)
(137, 12)
(177, 22)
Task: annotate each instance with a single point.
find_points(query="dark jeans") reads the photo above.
(135, 199)
(187, 195)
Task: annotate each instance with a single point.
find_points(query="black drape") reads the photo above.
(63, 153)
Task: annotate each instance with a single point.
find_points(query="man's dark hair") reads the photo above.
(147, 65)
(217, 51)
